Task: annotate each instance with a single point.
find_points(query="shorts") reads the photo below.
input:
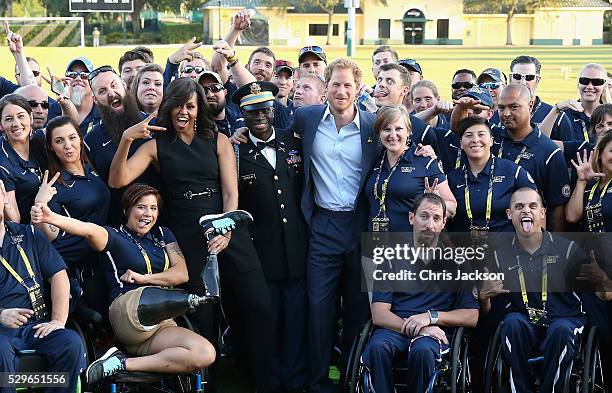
(123, 315)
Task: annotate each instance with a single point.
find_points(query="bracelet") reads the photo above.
(557, 108)
(232, 58)
(233, 63)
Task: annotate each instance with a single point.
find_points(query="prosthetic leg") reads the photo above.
(158, 304)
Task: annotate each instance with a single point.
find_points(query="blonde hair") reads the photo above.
(428, 84)
(390, 113)
(344, 64)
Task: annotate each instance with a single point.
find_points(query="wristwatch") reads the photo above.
(433, 317)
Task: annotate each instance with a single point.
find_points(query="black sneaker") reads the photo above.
(112, 362)
(225, 222)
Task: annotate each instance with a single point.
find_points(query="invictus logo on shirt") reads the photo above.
(526, 155)
(407, 169)
(498, 179)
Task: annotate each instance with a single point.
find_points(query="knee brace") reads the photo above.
(158, 304)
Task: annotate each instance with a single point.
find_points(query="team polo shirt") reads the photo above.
(540, 111)
(233, 120)
(571, 125)
(7, 87)
(89, 122)
(559, 254)
(85, 198)
(20, 176)
(507, 178)
(44, 260)
(423, 133)
(570, 148)
(541, 157)
(495, 121)
(449, 149)
(606, 204)
(122, 253)
(405, 185)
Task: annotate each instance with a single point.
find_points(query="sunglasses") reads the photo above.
(465, 85)
(314, 49)
(98, 71)
(594, 81)
(477, 111)
(43, 104)
(190, 69)
(528, 77)
(217, 87)
(490, 85)
(74, 74)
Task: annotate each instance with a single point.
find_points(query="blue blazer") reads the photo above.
(305, 123)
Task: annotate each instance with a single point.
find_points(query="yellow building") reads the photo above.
(413, 22)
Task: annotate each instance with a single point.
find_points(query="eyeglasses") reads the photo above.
(74, 74)
(313, 49)
(217, 87)
(465, 85)
(98, 71)
(490, 85)
(190, 69)
(43, 104)
(594, 81)
(528, 77)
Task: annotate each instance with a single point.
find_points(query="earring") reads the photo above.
(195, 126)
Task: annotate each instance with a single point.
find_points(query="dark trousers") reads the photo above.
(386, 346)
(62, 348)
(333, 265)
(557, 343)
(288, 354)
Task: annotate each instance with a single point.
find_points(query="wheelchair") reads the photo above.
(451, 375)
(585, 374)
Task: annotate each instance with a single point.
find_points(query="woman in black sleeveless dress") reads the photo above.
(199, 175)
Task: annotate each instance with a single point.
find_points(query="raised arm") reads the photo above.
(15, 44)
(240, 22)
(574, 210)
(242, 76)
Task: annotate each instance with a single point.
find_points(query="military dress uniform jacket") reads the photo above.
(272, 196)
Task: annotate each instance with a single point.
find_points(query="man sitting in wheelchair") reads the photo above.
(539, 314)
(414, 325)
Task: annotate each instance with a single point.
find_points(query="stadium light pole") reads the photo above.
(219, 20)
(351, 5)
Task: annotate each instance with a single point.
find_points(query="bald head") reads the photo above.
(521, 92)
(37, 98)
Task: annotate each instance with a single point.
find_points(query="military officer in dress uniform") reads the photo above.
(271, 169)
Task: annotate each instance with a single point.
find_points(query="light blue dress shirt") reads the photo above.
(336, 163)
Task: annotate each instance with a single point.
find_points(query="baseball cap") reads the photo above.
(411, 65)
(86, 62)
(495, 73)
(480, 94)
(315, 50)
(283, 65)
(212, 74)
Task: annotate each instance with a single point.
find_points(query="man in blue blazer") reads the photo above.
(340, 149)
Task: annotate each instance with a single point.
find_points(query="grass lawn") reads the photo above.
(438, 62)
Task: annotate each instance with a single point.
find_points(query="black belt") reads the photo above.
(207, 192)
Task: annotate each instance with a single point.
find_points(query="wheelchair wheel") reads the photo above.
(354, 368)
(460, 367)
(496, 374)
(592, 372)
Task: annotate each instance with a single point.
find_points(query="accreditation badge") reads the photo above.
(594, 218)
(479, 235)
(537, 317)
(380, 224)
(37, 300)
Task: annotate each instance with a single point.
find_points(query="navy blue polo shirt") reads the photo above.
(7, 87)
(507, 178)
(495, 121)
(540, 111)
(20, 176)
(423, 133)
(170, 73)
(44, 259)
(571, 126)
(570, 148)
(606, 204)
(559, 253)
(449, 149)
(233, 120)
(85, 198)
(405, 185)
(121, 253)
(541, 158)
(92, 118)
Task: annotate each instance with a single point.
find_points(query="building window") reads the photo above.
(442, 28)
(384, 28)
(321, 29)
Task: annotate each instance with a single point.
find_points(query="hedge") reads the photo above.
(179, 33)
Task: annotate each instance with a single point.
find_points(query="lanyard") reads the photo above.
(386, 181)
(521, 275)
(458, 160)
(518, 158)
(26, 262)
(603, 192)
(534, 110)
(468, 208)
(585, 132)
(145, 255)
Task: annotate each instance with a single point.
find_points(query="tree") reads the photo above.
(508, 7)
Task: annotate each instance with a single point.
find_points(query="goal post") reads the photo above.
(49, 31)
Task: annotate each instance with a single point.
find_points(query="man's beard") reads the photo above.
(116, 123)
(77, 94)
(216, 107)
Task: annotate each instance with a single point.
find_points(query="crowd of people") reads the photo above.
(104, 184)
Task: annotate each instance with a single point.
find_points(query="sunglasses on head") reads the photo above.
(465, 85)
(217, 87)
(528, 77)
(43, 104)
(314, 49)
(98, 71)
(190, 69)
(490, 85)
(75, 74)
(594, 81)
(409, 62)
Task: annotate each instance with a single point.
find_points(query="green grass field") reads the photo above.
(438, 62)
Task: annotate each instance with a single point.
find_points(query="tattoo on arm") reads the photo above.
(52, 228)
(174, 247)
